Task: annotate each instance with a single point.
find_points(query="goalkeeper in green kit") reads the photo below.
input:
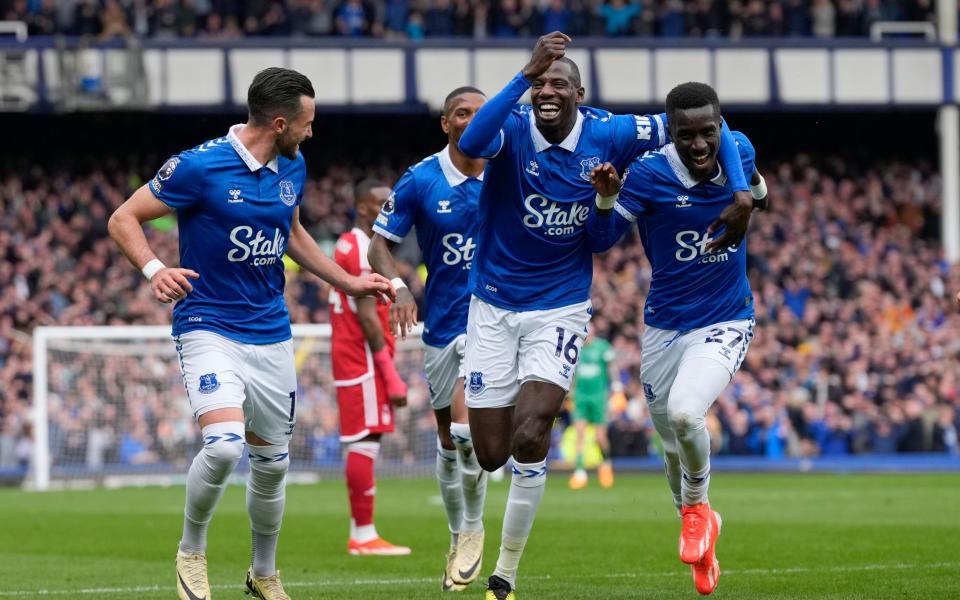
(596, 374)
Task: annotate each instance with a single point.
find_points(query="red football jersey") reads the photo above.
(351, 355)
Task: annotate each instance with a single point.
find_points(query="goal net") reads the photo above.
(110, 409)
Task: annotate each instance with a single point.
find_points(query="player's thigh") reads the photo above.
(550, 343)
(212, 368)
(271, 392)
(661, 354)
(490, 359)
(726, 343)
(364, 410)
(443, 366)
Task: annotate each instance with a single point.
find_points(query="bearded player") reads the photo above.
(237, 200)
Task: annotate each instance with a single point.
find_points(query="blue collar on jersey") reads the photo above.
(569, 143)
(252, 163)
(683, 174)
(450, 172)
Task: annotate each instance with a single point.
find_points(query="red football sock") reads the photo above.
(361, 486)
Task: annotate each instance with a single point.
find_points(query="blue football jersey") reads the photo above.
(441, 203)
(690, 287)
(234, 216)
(531, 249)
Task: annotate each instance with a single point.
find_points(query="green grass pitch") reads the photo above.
(784, 537)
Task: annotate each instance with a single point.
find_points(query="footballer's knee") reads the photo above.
(269, 460)
(685, 422)
(491, 459)
(222, 448)
(531, 439)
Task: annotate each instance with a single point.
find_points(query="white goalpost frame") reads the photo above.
(40, 468)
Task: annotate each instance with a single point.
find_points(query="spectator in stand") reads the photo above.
(618, 17)
(354, 18)
(439, 19)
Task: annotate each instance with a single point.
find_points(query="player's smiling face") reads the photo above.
(696, 135)
(298, 130)
(461, 112)
(555, 96)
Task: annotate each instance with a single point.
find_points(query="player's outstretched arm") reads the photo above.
(373, 333)
(126, 229)
(604, 227)
(304, 250)
(483, 137)
(403, 312)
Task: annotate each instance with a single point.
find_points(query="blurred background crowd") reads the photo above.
(857, 346)
(418, 19)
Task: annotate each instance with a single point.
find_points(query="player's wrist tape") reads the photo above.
(760, 190)
(606, 202)
(150, 269)
(617, 387)
(397, 283)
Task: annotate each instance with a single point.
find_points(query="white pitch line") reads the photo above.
(413, 580)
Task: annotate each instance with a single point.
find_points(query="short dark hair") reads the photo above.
(364, 187)
(464, 89)
(276, 91)
(574, 71)
(692, 94)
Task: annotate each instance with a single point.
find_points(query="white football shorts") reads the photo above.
(259, 379)
(443, 366)
(664, 350)
(508, 348)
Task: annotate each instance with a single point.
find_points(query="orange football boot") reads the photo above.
(706, 571)
(697, 533)
(376, 547)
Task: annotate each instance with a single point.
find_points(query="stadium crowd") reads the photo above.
(416, 19)
(857, 346)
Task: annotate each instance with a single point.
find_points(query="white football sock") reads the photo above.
(266, 495)
(451, 493)
(671, 455)
(474, 478)
(698, 383)
(526, 491)
(207, 479)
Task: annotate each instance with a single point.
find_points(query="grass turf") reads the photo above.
(784, 537)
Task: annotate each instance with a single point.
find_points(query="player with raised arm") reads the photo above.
(439, 197)
(237, 200)
(596, 372)
(367, 382)
(533, 269)
(699, 311)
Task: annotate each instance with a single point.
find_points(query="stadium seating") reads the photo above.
(416, 19)
(856, 347)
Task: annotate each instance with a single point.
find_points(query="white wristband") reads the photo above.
(397, 283)
(606, 202)
(150, 269)
(760, 190)
(617, 387)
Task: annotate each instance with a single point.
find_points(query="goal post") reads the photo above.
(109, 408)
